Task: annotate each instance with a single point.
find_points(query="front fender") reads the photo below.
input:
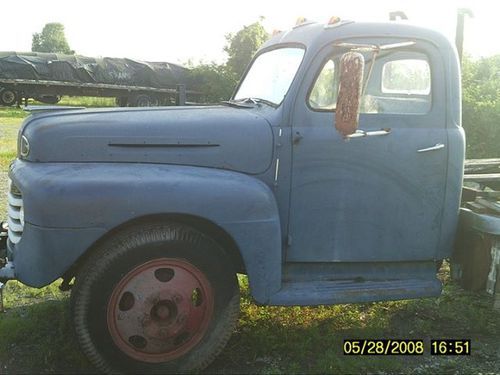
(92, 198)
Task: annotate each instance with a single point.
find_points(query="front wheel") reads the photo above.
(160, 298)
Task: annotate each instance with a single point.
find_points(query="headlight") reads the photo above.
(24, 147)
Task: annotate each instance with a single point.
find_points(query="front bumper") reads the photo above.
(3, 239)
(6, 267)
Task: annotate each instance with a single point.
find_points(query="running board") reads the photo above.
(348, 291)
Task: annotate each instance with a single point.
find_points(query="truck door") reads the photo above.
(375, 198)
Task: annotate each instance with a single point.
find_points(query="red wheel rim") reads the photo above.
(160, 310)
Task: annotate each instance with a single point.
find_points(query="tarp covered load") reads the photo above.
(74, 68)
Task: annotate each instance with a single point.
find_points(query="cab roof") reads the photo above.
(316, 35)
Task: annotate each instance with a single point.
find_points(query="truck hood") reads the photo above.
(238, 139)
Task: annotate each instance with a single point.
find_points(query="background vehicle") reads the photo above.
(48, 76)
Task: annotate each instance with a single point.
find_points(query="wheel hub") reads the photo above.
(160, 310)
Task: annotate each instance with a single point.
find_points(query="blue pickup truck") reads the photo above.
(333, 175)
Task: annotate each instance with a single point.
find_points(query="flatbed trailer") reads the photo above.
(477, 258)
(17, 91)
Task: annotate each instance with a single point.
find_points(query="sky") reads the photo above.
(178, 31)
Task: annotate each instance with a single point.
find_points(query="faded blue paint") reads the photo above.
(201, 136)
(363, 203)
(348, 195)
(71, 205)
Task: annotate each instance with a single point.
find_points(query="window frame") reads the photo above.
(269, 49)
(318, 74)
(417, 51)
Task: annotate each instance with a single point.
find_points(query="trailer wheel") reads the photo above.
(154, 101)
(142, 100)
(48, 99)
(8, 97)
(160, 298)
(476, 261)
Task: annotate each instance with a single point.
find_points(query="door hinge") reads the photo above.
(297, 137)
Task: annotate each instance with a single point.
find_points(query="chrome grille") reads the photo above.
(15, 204)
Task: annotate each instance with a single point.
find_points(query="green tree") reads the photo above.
(481, 106)
(218, 81)
(242, 45)
(214, 81)
(51, 39)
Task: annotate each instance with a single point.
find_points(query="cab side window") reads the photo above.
(400, 83)
(323, 95)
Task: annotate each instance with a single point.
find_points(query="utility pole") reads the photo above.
(459, 35)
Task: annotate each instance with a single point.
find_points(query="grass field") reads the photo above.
(36, 336)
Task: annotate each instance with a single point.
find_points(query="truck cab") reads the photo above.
(333, 175)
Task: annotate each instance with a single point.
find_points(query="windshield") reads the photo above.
(271, 74)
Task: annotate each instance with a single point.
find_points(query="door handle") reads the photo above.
(437, 146)
(372, 133)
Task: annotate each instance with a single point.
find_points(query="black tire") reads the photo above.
(142, 100)
(8, 97)
(48, 99)
(154, 101)
(128, 253)
(476, 262)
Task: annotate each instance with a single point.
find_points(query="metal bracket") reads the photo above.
(180, 95)
(7, 272)
(3, 241)
(374, 47)
(491, 286)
